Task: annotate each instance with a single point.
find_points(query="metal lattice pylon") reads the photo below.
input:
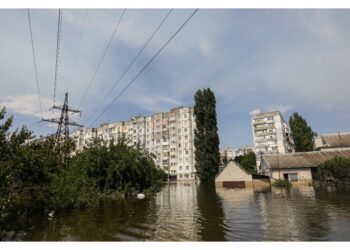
(63, 122)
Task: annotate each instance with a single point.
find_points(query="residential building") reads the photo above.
(231, 153)
(271, 134)
(167, 135)
(332, 141)
(299, 168)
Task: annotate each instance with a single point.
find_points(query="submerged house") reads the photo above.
(234, 175)
(299, 168)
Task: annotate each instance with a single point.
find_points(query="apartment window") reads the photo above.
(186, 152)
(179, 130)
(180, 168)
(186, 176)
(179, 137)
(179, 145)
(187, 168)
(180, 175)
(185, 130)
(186, 137)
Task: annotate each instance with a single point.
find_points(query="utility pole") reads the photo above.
(62, 134)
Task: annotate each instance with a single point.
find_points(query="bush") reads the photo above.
(336, 170)
(282, 183)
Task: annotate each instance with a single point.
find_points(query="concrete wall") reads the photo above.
(261, 184)
(304, 175)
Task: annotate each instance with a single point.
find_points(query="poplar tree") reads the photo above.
(302, 133)
(206, 139)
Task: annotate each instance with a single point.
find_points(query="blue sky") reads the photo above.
(287, 60)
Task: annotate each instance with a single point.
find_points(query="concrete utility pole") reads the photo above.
(63, 122)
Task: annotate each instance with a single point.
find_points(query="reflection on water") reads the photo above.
(194, 212)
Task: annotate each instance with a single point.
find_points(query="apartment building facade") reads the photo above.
(271, 135)
(167, 135)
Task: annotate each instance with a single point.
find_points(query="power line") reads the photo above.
(59, 27)
(77, 50)
(103, 56)
(131, 63)
(34, 61)
(146, 65)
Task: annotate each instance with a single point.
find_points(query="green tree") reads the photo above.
(302, 133)
(206, 139)
(224, 160)
(336, 170)
(247, 161)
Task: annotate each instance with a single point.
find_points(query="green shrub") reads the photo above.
(282, 183)
(335, 170)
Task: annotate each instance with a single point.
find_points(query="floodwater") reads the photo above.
(194, 212)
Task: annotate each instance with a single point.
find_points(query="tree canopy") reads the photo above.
(206, 139)
(302, 133)
(247, 161)
(335, 170)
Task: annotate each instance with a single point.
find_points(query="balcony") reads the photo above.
(263, 122)
(266, 139)
(270, 126)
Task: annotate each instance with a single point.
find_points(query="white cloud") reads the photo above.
(151, 102)
(27, 105)
(255, 112)
(280, 108)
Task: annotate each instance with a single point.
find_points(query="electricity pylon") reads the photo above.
(62, 134)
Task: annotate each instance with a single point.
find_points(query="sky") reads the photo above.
(254, 60)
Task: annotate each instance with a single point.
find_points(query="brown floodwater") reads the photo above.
(194, 212)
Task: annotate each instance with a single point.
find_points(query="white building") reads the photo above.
(271, 134)
(231, 153)
(168, 135)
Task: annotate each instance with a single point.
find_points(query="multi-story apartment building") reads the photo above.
(231, 153)
(271, 134)
(167, 135)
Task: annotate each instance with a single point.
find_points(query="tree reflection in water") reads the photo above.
(211, 226)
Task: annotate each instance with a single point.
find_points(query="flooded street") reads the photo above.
(193, 212)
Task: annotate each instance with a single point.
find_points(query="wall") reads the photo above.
(304, 175)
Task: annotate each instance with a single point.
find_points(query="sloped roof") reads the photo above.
(227, 164)
(302, 159)
(335, 140)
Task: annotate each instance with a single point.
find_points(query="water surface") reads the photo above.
(194, 212)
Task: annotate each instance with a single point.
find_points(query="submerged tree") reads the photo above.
(206, 139)
(302, 133)
(247, 161)
(336, 170)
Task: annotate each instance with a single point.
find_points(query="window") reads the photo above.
(180, 168)
(293, 177)
(187, 168)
